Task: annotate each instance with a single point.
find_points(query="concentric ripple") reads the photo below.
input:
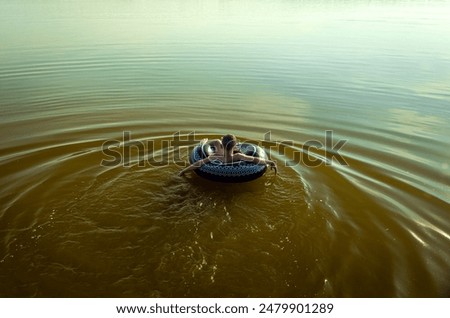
(99, 110)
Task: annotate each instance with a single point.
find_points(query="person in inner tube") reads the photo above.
(224, 151)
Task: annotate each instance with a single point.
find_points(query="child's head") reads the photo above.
(228, 142)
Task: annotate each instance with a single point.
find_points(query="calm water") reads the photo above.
(77, 74)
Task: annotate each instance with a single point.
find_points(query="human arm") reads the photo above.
(259, 161)
(194, 166)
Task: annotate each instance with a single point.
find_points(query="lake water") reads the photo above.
(351, 98)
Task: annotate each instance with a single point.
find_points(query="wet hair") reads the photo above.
(228, 142)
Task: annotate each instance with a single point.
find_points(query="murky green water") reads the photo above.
(74, 75)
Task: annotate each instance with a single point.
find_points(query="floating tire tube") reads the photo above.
(239, 171)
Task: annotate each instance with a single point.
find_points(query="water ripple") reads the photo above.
(357, 123)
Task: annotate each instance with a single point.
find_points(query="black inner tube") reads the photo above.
(240, 171)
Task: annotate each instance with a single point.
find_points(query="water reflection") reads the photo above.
(74, 75)
(413, 123)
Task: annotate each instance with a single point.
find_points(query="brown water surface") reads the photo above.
(74, 75)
